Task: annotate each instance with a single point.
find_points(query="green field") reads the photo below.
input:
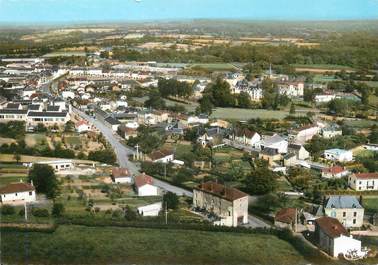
(323, 66)
(247, 114)
(361, 123)
(87, 245)
(214, 66)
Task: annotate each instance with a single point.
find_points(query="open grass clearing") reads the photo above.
(247, 114)
(89, 245)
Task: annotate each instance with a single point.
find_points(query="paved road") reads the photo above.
(255, 222)
(122, 152)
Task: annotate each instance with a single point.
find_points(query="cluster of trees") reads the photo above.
(172, 87)
(318, 144)
(261, 180)
(355, 50)
(218, 94)
(271, 96)
(43, 149)
(105, 156)
(12, 129)
(148, 139)
(56, 211)
(44, 180)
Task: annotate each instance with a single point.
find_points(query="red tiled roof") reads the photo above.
(373, 175)
(82, 122)
(142, 180)
(219, 190)
(286, 215)
(158, 154)
(16, 187)
(334, 170)
(118, 172)
(331, 226)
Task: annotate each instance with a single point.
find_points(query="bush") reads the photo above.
(40, 212)
(7, 210)
(57, 210)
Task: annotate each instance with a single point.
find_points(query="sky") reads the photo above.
(64, 11)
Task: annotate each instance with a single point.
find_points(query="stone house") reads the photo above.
(229, 204)
(347, 209)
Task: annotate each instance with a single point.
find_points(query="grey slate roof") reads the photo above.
(52, 108)
(13, 111)
(112, 121)
(46, 114)
(343, 202)
(33, 107)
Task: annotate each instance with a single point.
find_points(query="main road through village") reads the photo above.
(123, 152)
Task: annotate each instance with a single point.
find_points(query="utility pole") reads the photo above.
(137, 150)
(166, 213)
(26, 212)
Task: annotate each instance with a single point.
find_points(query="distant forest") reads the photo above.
(349, 43)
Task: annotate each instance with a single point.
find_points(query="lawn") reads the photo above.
(370, 204)
(247, 114)
(89, 245)
(35, 139)
(72, 140)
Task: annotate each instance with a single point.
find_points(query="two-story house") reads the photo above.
(347, 209)
(363, 181)
(229, 204)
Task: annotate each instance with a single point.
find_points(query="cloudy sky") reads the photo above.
(55, 11)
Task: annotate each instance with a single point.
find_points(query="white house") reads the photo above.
(17, 193)
(68, 94)
(82, 127)
(246, 137)
(150, 209)
(121, 175)
(48, 117)
(274, 142)
(291, 89)
(304, 133)
(162, 156)
(331, 131)
(333, 238)
(58, 165)
(203, 119)
(334, 172)
(324, 98)
(144, 186)
(363, 181)
(340, 155)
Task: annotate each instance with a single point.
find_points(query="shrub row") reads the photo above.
(23, 228)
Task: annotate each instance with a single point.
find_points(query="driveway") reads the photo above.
(122, 152)
(254, 222)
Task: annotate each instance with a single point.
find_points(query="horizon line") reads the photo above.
(25, 24)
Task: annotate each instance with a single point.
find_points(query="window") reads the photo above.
(355, 214)
(30, 193)
(16, 194)
(344, 214)
(354, 221)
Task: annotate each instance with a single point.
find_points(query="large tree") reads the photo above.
(261, 180)
(44, 180)
(171, 200)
